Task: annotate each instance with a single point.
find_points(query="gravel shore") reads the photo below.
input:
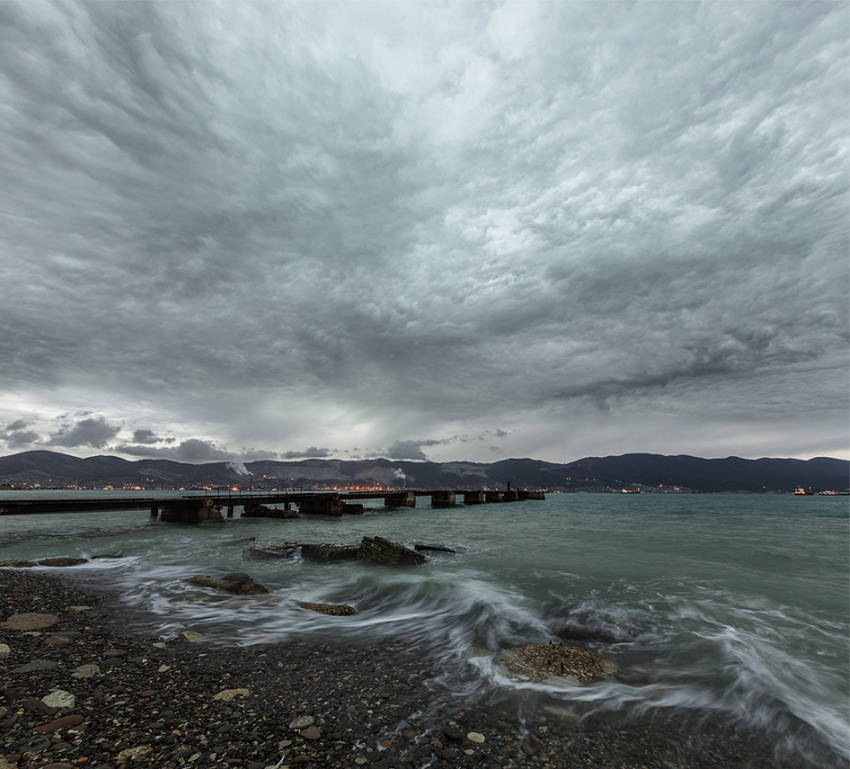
(139, 702)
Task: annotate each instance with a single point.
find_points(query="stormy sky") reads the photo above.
(457, 230)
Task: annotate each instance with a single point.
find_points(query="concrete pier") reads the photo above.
(442, 499)
(493, 496)
(401, 499)
(510, 495)
(154, 512)
(473, 497)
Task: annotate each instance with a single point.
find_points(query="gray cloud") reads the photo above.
(96, 432)
(20, 439)
(311, 453)
(338, 224)
(148, 437)
(406, 450)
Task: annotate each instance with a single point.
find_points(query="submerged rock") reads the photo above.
(553, 661)
(434, 548)
(238, 583)
(61, 561)
(334, 609)
(282, 550)
(18, 564)
(380, 550)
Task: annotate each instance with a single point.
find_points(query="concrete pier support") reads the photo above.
(230, 511)
(493, 496)
(510, 496)
(322, 504)
(196, 510)
(442, 499)
(401, 499)
(473, 497)
(154, 512)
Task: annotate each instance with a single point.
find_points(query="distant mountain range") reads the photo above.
(52, 469)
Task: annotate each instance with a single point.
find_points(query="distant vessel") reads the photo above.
(801, 492)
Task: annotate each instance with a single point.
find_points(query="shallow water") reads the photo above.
(728, 604)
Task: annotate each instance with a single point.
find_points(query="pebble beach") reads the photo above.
(79, 689)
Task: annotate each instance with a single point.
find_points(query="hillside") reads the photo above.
(53, 469)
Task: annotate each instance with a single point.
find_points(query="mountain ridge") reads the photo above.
(49, 468)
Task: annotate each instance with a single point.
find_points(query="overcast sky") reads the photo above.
(455, 230)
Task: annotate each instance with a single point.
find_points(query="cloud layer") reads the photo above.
(574, 228)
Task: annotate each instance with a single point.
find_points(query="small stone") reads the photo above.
(35, 665)
(302, 759)
(54, 765)
(475, 737)
(311, 733)
(59, 699)
(5, 650)
(228, 694)
(132, 754)
(60, 723)
(86, 671)
(191, 636)
(159, 645)
(302, 722)
(360, 760)
(30, 621)
(79, 608)
(57, 640)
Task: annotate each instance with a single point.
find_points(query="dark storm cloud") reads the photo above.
(289, 224)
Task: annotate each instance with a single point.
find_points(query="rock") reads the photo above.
(476, 737)
(30, 621)
(62, 561)
(311, 733)
(552, 661)
(133, 754)
(334, 609)
(18, 564)
(236, 584)
(5, 650)
(302, 722)
(380, 550)
(326, 553)
(434, 548)
(60, 723)
(86, 671)
(59, 699)
(79, 609)
(282, 550)
(34, 666)
(229, 694)
(256, 510)
(109, 555)
(191, 636)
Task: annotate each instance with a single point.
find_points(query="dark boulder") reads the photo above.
(433, 548)
(256, 510)
(380, 550)
(326, 553)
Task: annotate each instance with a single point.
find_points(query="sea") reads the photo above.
(729, 606)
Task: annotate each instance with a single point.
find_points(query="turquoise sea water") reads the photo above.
(735, 605)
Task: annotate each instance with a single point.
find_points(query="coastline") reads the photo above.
(152, 704)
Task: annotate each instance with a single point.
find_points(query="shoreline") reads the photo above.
(153, 704)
